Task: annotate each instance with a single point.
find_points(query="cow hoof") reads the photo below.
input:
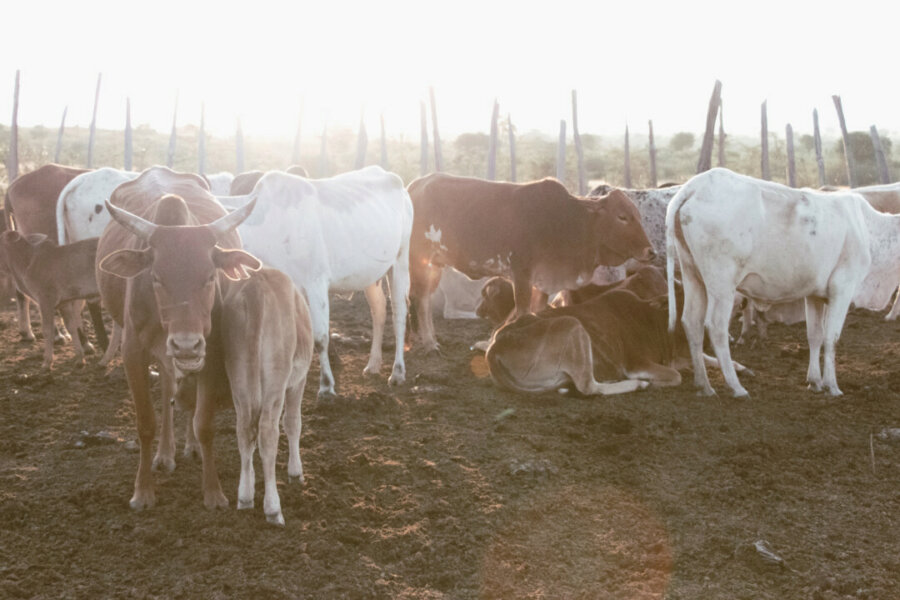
(192, 452)
(748, 372)
(643, 385)
(326, 396)
(371, 372)
(398, 377)
(834, 392)
(26, 337)
(741, 393)
(296, 478)
(814, 387)
(276, 519)
(214, 500)
(244, 504)
(481, 346)
(706, 392)
(165, 465)
(142, 500)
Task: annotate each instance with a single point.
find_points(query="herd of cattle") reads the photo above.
(223, 283)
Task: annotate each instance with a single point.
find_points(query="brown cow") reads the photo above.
(614, 336)
(54, 277)
(162, 271)
(268, 346)
(244, 183)
(31, 208)
(536, 233)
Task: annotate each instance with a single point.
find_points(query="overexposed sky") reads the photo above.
(629, 62)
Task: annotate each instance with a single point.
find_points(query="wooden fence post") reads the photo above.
(653, 180)
(627, 160)
(295, 155)
(492, 145)
(848, 150)
(12, 162)
(561, 153)
(438, 155)
(721, 161)
(791, 166)
(90, 156)
(384, 153)
(201, 141)
(362, 141)
(423, 141)
(705, 162)
(512, 148)
(59, 136)
(817, 141)
(129, 151)
(579, 152)
(239, 147)
(170, 155)
(764, 144)
(883, 172)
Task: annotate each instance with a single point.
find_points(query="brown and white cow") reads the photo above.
(163, 265)
(54, 277)
(268, 346)
(536, 233)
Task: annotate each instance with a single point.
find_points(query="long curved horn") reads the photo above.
(227, 223)
(137, 225)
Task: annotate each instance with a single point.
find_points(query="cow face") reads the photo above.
(618, 224)
(497, 300)
(183, 263)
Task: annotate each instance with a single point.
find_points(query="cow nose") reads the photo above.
(186, 349)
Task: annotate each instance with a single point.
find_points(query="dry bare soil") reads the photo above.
(447, 487)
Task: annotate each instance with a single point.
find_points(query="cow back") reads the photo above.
(31, 199)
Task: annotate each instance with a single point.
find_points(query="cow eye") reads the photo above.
(623, 218)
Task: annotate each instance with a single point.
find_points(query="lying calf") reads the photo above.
(54, 277)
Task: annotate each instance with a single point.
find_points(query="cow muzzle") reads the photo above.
(187, 350)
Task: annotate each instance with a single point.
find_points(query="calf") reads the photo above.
(268, 346)
(54, 277)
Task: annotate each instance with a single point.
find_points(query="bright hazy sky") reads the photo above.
(630, 61)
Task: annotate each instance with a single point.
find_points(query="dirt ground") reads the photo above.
(447, 487)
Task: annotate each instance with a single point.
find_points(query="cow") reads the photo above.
(30, 207)
(55, 278)
(536, 233)
(457, 296)
(163, 264)
(617, 335)
(776, 244)
(219, 183)
(343, 233)
(268, 346)
(244, 183)
(80, 209)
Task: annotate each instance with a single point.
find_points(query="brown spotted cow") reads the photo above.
(538, 234)
(163, 264)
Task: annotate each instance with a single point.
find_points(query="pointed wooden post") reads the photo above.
(438, 155)
(512, 148)
(384, 153)
(705, 162)
(12, 162)
(129, 151)
(627, 160)
(492, 146)
(848, 150)
(295, 156)
(764, 144)
(721, 162)
(817, 141)
(579, 152)
(791, 166)
(170, 155)
(884, 173)
(59, 136)
(423, 141)
(239, 148)
(201, 141)
(653, 180)
(362, 141)
(90, 154)
(323, 153)
(561, 153)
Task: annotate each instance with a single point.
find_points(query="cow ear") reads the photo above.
(126, 263)
(660, 302)
(236, 263)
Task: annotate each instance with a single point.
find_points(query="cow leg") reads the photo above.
(97, 321)
(23, 316)
(165, 451)
(399, 292)
(113, 346)
(719, 313)
(204, 429)
(895, 308)
(71, 314)
(423, 281)
(48, 328)
(692, 318)
(247, 429)
(538, 300)
(293, 398)
(138, 376)
(319, 313)
(268, 451)
(577, 362)
(712, 361)
(378, 308)
(656, 374)
(815, 336)
(522, 292)
(835, 314)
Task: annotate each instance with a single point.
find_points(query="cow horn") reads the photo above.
(138, 226)
(227, 223)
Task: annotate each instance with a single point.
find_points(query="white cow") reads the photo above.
(775, 244)
(80, 210)
(219, 183)
(457, 296)
(343, 233)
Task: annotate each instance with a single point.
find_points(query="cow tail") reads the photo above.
(61, 220)
(671, 213)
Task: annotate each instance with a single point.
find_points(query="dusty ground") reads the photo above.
(447, 487)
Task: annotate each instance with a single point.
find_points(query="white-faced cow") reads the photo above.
(55, 278)
(776, 244)
(536, 233)
(343, 233)
(163, 265)
(268, 346)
